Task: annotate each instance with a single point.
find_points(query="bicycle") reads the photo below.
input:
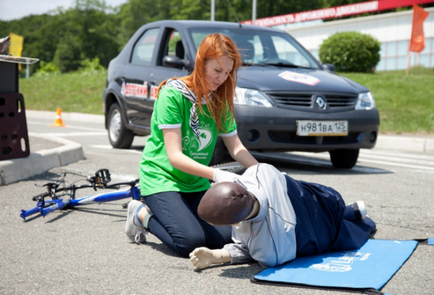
(100, 180)
(53, 198)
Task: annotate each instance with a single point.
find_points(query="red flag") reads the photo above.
(417, 41)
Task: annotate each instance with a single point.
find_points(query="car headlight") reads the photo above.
(251, 97)
(365, 101)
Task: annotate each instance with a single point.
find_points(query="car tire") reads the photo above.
(119, 136)
(344, 158)
(220, 153)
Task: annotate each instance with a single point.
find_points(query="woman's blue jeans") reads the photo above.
(176, 223)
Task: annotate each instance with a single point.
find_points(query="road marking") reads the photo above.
(390, 153)
(406, 160)
(394, 159)
(314, 159)
(70, 134)
(397, 164)
(105, 147)
(68, 127)
(401, 160)
(109, 147)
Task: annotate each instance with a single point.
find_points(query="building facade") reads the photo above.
(393, 30)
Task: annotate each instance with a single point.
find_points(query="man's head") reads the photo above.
(226, 203)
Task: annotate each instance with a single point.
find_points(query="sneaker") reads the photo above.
(359, 209)
(135, 232)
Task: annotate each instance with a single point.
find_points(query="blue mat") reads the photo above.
(369, 267)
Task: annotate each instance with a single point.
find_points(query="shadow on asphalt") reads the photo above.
(243, 272)
(162, 248)
(138, 148)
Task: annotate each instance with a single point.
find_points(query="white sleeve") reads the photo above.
(239, 253)
(229, 134)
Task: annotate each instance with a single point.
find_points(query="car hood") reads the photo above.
(269, 78)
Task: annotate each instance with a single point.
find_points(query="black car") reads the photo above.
(286, 100)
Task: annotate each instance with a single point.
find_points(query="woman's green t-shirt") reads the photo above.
(172, 110)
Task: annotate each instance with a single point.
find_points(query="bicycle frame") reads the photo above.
(55, 203)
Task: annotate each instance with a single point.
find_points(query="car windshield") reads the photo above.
(263, 48)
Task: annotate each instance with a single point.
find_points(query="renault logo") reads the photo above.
(320, 102)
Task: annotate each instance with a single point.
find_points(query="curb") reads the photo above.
(41, 161)
(423, 145)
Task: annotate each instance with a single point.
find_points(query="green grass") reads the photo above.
(72, 92)
(405, 102)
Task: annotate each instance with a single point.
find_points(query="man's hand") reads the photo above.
(203, 257)
(224, 176)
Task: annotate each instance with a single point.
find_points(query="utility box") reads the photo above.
(8, 77)
(14, 139)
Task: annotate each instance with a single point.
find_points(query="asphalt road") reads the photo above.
(85, 251)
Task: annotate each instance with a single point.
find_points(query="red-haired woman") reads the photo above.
(188, 115)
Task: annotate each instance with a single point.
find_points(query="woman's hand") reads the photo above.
(223, 176)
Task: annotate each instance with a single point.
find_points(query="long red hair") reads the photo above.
(212, 47)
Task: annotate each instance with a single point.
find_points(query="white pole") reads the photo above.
(254, 12)
(212, 10)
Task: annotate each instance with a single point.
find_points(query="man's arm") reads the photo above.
(203, 257)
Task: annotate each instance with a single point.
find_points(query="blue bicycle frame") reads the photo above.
(98, 182)
(57, 204)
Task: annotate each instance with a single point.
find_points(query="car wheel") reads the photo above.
(344, 158)
(220, 153)
(120, 137)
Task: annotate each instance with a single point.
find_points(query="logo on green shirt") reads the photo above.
(197, 147)
(205, 139)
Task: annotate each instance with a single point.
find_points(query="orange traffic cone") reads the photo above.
(58, 120)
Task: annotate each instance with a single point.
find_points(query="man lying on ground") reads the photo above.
(276, 218)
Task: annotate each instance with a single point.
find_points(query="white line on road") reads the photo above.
(397, 164)
(421, 162)
(109, 147)
(74, 134)
(413, 161)
(68, 127)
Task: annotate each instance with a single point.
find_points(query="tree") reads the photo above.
(92, 29)
(95, 26)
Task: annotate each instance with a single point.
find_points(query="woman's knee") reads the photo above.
(186, 246)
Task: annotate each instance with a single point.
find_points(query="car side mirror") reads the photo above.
(173, 62)
(330, 67)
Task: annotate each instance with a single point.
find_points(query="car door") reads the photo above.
(135, 81)
(172, 45)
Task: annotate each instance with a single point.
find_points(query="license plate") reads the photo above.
(322, 128)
